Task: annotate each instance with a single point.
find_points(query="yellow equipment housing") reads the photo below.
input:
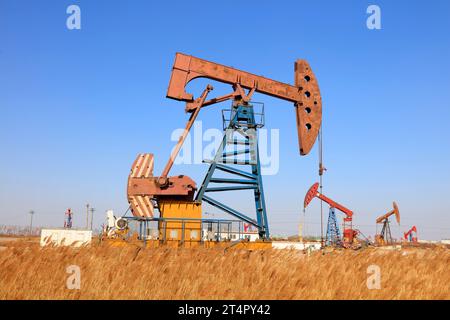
(182, 229)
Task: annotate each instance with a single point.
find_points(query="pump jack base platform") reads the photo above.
(239, 245)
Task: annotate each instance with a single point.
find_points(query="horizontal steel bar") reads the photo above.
(237, 181)
(231, 161)
(231, 211)
(241, 142)
(233, 188)
(235, 153)
(236, 171)
(239, 162)
(208, 220)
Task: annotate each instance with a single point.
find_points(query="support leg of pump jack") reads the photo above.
(242, 117)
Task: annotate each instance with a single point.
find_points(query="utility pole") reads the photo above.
(31, 221)
(92, 215)
(87, 216)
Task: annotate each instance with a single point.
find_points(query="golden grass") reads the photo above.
(28, 272)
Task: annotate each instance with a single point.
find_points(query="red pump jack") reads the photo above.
(349, 234)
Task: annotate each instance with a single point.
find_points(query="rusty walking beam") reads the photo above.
(390, 213)
(305, 94)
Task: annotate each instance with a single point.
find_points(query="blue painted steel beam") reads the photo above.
(241, 162)
(233, 188)
(239, 142)
(231, 211)
(236, 171)
(236, 181)
(235, 153)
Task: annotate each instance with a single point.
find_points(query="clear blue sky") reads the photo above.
(76, 106)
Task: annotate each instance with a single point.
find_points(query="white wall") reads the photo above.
(65, 237)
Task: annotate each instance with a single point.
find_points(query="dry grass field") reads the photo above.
(29, 272)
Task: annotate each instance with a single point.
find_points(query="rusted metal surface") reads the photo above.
(197, 106)
(305, 94)
(142, 166)
(313, 192)
(140, 204)
(182, 186)
(309, 108)
(143, 187)
(394, 211)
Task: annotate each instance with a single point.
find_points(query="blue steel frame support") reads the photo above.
(230, 211)
(333, 237)
(260, 202)
(242, 121)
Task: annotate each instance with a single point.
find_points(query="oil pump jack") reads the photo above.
(177, 197)
(333, 235)
(411, 235)
(385, 236)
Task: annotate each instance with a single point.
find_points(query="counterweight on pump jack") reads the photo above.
(146, 190)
